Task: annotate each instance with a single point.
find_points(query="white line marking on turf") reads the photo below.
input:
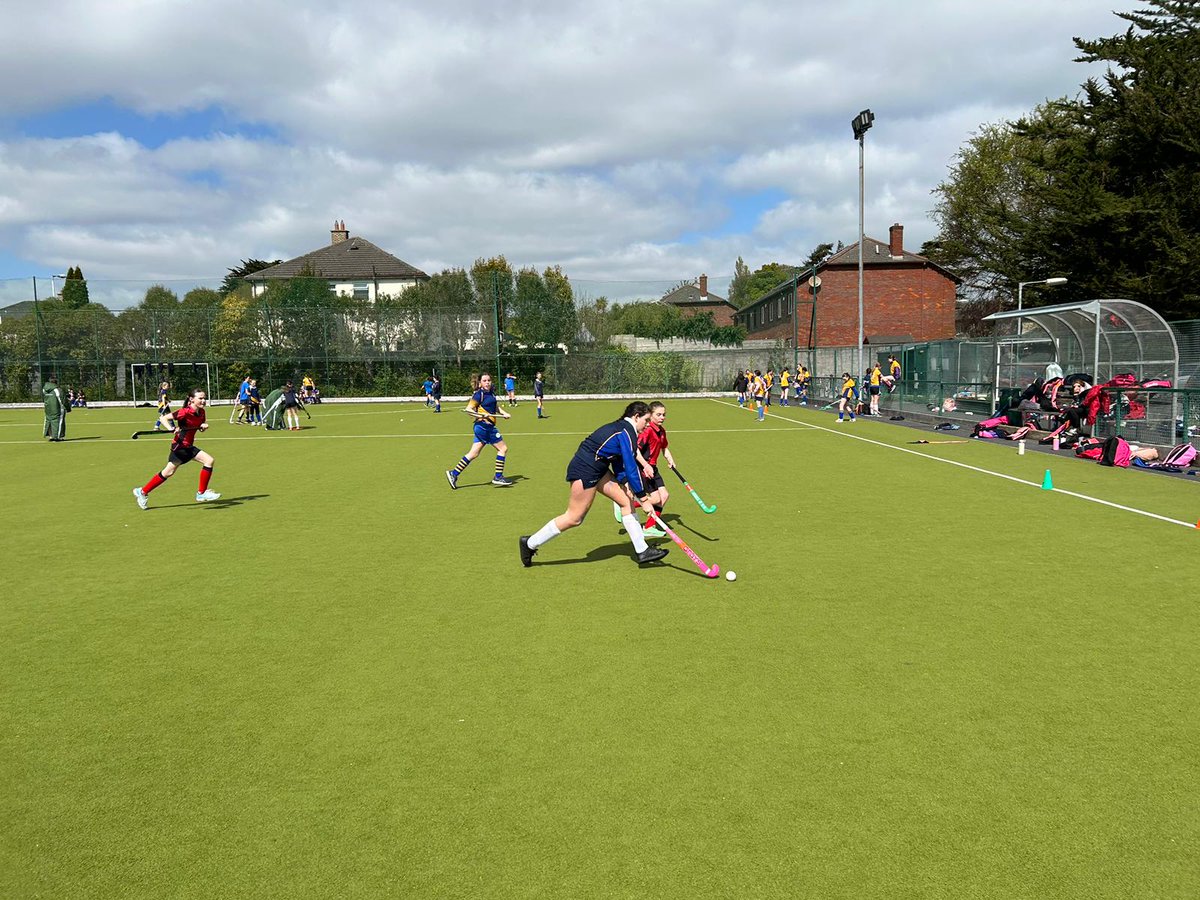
(962, 465)
(456, 435)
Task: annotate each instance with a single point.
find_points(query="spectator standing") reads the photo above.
(57, 406)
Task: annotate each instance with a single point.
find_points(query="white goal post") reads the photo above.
(147, 377)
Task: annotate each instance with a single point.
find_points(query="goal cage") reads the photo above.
(146, 377)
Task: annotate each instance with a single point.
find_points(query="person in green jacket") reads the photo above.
(56, 409)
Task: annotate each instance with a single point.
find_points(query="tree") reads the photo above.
(728, 336)
(75, 289)
(543, 308)
(820, 253)
(237, 275)
(1102, 189)
(447, 314)
(649, 319)
(737, 286)
(698, 327)
(494, 287)
(597, 320)
(765, 279)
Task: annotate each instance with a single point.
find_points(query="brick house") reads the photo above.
(691, 299)
(906, 298)
(353, 266)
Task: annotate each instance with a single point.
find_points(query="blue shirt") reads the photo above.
(612, 442)
(486, 401)
(510, 384)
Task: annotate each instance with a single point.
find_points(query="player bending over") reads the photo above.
(605, 461)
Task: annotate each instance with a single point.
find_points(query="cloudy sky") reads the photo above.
(158, 140)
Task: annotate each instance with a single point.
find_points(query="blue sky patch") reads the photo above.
(151, 131)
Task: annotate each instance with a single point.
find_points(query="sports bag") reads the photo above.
(1115, 453)
(1089, 448)
(1179, 457)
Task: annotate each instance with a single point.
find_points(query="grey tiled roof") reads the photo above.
(354, 259)
(875, 252)
(690, 293)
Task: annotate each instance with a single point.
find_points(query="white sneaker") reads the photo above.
(141, 498)
(206, 496)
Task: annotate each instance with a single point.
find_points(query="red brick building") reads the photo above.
(695, 298)
(906, 298)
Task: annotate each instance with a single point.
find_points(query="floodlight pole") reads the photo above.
(861, 124)
(1021, 285)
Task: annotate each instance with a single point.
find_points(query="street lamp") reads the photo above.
(1021, 285)
(861, 124)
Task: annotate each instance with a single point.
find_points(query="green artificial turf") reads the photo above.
(338, 681)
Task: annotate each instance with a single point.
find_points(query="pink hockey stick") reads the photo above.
(710, 571)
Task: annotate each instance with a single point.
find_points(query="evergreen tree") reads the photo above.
(75, 289)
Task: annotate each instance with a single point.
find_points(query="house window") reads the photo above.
(362, 290)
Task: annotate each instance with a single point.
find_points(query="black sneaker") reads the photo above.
(526, 551)
(651, 554)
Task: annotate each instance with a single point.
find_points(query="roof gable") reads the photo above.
(354, 259)
(689, 295)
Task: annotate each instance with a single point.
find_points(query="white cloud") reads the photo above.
(612, 139)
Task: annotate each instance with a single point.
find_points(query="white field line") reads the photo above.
(458, 436)
(962, 465)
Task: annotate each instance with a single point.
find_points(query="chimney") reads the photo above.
(339, 232)
(703, 287)
(896, 239)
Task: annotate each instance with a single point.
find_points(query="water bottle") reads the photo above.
(1055, 445)
(1020, 448)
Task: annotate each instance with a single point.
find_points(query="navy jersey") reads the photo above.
(615, 443)
(539, 387)
(486, 401)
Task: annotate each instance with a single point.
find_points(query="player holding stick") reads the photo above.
(484, 408)
(606, 462)
(185, 423)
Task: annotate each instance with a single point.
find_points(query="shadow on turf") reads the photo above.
(215, 504)
(594, 555)
(515, 479)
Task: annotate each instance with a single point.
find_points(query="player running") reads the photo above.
(485, 409)
(185, 423)
(606, 461)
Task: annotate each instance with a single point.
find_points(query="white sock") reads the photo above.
(545, 533)
(635, 532)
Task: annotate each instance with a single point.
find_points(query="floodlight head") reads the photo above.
(1058, 280)
(862, 123)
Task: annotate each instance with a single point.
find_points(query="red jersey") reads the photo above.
(189, 421)
(652, 441)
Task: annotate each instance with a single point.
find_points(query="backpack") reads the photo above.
(1125, 379)
(1115, 453)
(1089, 448)
(1179, 457)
